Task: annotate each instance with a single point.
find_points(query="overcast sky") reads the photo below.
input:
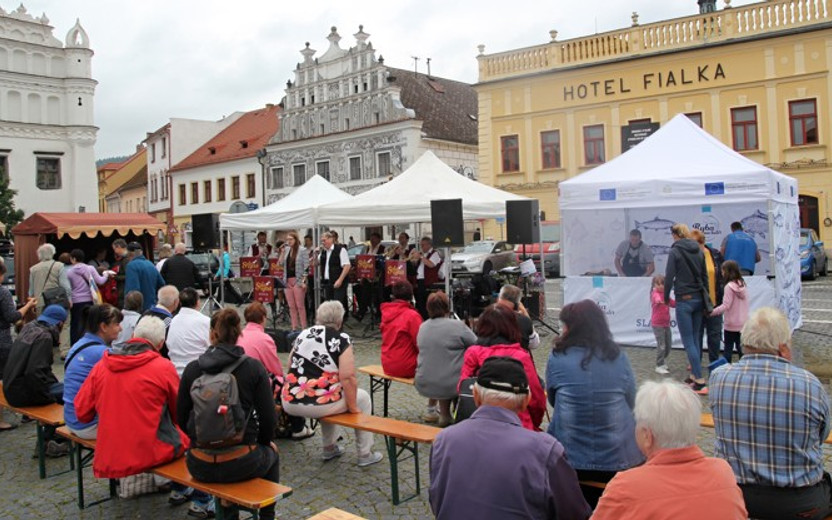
(204, 59)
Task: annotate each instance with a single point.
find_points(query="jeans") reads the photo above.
(712, 328)
(76, 323)
(732, 340)
(330, 292)
(689, 314)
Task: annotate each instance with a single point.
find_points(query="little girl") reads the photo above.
(734, 306)
(660, 320)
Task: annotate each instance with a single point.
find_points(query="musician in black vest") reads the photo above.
(428, 263)
(334, 263)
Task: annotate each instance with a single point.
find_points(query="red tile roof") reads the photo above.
(241, 139)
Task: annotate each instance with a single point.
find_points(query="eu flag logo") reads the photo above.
(607, 194)
(714, 188)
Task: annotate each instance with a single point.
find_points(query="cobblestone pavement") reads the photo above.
(340, 483)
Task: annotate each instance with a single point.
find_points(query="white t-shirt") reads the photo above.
(188, 337)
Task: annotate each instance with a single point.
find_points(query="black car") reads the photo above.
(6, 247)
(207, 264)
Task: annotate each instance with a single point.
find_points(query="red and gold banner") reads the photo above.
(249, 266)
(275, 268)
(365, 267)
(263, 289)
(395, 271)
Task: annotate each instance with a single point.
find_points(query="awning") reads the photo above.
(90, 224)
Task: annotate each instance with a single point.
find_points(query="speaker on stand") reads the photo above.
(205, 231)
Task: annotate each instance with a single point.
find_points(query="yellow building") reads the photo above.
(756, 77)
(113, 176)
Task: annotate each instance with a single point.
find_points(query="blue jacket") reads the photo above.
(742, 249)
(593, 410)
(76, 373)
(143, 276)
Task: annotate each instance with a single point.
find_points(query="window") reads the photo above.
(803, 121)
(383, 167)
(550, 148)
(194, 193)
(251, 188)
(594, 144)
(220, 190)
(164, 147)
(48, 173)
(206, 189)
(744, 128)
(323, 169)
(152, 152)
(235, 187)
(182, 195)
(510, 153)
(355, 168)
(299, 174)
(4, 168)
(276, 180)
(696, 117)
(164, 182)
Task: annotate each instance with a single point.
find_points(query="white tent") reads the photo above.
(296, 210)
(679, 174)
(406, 198)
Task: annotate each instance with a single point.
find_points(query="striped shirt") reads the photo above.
(771, 419)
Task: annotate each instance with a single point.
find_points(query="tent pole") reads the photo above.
(316, 233)
(448, 275)
(222, 267)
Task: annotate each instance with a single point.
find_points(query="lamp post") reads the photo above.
(261, 158)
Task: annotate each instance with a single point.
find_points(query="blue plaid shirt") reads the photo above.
(771, 419)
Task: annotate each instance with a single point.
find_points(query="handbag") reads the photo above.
(707, 304)
(96, 294)
(54, 295)
(141, 484)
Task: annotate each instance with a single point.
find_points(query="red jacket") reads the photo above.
(399, 326)
(134, 395)
(475, 355)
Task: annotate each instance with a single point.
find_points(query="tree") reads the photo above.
(8, 214)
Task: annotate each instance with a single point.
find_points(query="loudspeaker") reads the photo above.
(522, 221)
(446, 223)
(206, 231)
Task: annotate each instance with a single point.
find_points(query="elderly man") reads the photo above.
(179, 270)
(510, 298)
(334, 263)
(490, 467)
(771, 419)
(142, 275)
(47, 274)
(633, 257)
(168, 303)
(678, 480)
(188, 334)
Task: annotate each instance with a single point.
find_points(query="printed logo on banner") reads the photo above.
(714, 188)
(708, 224)
(604, 302)
(607, 194)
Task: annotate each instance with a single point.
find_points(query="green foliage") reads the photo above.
(8, 214)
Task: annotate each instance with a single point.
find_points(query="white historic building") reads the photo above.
(47, 135)
(357, 122)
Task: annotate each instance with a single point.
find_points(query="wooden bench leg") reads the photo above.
(395, 448)
(41, 451)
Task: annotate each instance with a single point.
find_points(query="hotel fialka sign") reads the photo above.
(649, 81)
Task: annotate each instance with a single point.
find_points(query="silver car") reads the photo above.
(483, 257)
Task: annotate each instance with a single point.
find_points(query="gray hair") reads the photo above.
(180, 248)
(168, 296)
(671, 411)
(766, 329)
(510, 293)
(165, 251)
(330, 314)
(46, 252)
(150, 328)
(508, 400)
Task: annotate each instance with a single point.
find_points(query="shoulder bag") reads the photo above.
(54, 295)
(707, 304)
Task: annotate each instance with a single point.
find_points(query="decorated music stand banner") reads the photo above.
(395, 271)
(365, 267)
(263, 289)
(275, 268)
(249, 266)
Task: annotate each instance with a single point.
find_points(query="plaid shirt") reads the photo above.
(771, 419)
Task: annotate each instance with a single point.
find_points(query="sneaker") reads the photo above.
(305, 433)
(662, 370)
(56, 449)
(335, 451)
(370, 459)
(700, 388)
(177, 498)
(198, 510)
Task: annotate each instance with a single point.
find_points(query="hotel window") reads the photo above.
(383, 167)
(276, 178)
(235, 187)
(744, 128)
(206, 188)
(323, 169)
(182, 195)
(803, 121)
(194, 193)
(355, 168)
(594, 144)
(299, 174)
(550, 147)
(48, 173)
(696, 117)
(510, 153)
(220, 190)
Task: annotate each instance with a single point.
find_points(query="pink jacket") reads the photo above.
(260, 346)
(734, 306)
(661, 312)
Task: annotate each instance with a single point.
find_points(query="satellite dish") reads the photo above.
(238, 207)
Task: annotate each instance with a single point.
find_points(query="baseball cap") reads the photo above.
(505, 374)
(52, 315)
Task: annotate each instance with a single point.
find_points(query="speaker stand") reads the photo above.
(210, 300)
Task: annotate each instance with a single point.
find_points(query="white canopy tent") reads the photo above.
(406, 198)
(679, 174)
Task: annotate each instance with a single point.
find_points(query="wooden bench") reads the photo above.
(81, 453)
(47, 415)
(250, 495)
(378, 379)
(707, 420)
(400, 437)
(335, 514)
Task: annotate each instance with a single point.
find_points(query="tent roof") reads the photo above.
(295, 210)
(407, 197)
(90, 224)
(679, 163)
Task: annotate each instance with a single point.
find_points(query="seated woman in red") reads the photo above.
(399, 327)
(499, 335)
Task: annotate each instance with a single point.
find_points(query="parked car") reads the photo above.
(813, 260)
(483, 257)
(8, 280)
(550, 236)
(207, 264)
(360, 249)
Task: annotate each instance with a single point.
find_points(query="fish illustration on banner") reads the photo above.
(756, 224)
(656, 232)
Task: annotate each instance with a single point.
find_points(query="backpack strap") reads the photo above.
(79, 349)
(233, 366)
